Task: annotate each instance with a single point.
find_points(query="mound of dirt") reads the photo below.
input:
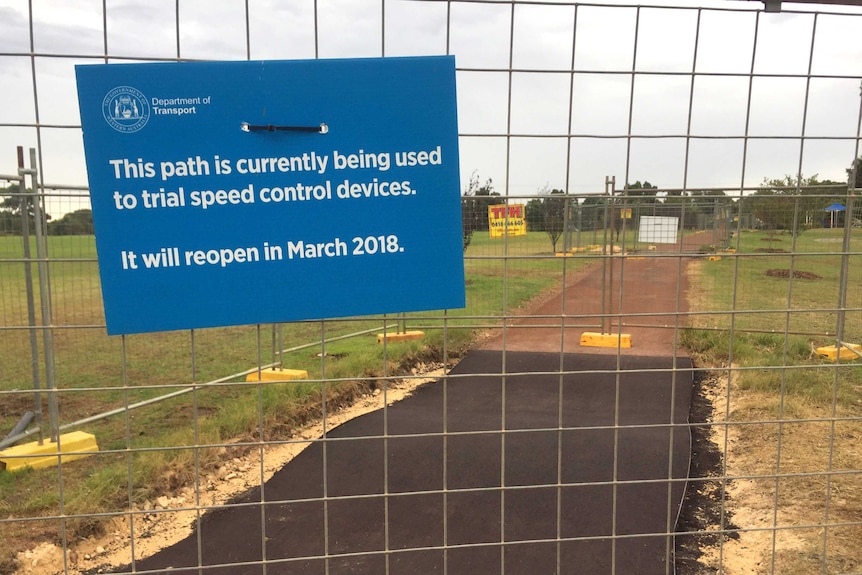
(785, 273)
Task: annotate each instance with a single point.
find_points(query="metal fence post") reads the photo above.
(44, 295)
(31, 297)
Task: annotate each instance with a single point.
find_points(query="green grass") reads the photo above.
(775, 366)
(735, 293)
(777, 322)
(765, 329)
(96, 373)
(801, 305)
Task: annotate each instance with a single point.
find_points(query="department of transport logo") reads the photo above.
(126, 109)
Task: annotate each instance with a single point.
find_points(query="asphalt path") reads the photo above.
(534, 456)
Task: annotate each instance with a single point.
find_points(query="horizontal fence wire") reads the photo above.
(738, 268)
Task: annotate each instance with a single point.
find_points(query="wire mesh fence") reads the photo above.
(564, 108)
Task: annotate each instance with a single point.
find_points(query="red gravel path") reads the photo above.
(654, 288)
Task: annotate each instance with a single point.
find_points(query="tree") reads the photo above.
(77, 223)
(14, 201)
(534, 216)
(645, 191)
(854, 173)
(854, 177)
(636, 195)
(11, 208)
(593, 212)
(554, 214)
(791, 203)
(712, 203)
(474, 207)
(708, 196)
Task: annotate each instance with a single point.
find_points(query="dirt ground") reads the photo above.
(170, 519)
(649, 289)
(648, 310)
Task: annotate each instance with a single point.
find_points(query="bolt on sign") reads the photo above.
(507, 220)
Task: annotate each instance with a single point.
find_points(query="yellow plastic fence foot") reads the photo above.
(831, 352)
(595, 339)
(277, 374)
(72, 446)
(400, 336)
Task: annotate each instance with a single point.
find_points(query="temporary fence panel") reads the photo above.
(606, 402)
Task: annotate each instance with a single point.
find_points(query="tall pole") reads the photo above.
(611, 256)
(852, 178)
(45, 298)
(610, 182)
(31, 296)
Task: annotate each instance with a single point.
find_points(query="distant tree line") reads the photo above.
(796, 204)
(13, 204)
(12, 207)
(474, 207)
(77, 223)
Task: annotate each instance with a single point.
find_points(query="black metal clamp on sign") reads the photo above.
(246, 127)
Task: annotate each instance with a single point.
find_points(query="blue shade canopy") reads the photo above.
(835, 208)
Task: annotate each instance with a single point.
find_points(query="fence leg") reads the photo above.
(44, 298)
(31, 295)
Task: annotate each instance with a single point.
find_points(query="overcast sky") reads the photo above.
(536, 106)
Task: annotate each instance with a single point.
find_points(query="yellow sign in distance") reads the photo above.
(507, 220)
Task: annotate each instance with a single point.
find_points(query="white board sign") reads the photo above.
(658, 229)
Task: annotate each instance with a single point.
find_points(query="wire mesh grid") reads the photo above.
(561, 107)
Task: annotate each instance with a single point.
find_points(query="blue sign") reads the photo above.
(228, 193)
